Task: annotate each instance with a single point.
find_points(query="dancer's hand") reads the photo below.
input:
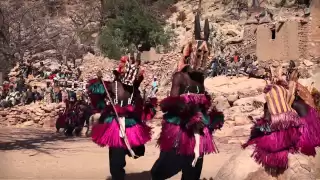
(122, 128)
(196, 157)
(196, 149)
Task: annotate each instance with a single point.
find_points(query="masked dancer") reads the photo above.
(187, 127)
(285, 125)
(305, 106)
(122, 125)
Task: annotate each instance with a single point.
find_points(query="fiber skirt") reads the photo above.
(310, 133)
(173, 136)
(271, 151)
(108, 134)
(273, 146)
(182, 115)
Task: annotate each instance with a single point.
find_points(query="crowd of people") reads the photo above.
(232, 65)
(16, 91)
(64, 72)
(19, 93)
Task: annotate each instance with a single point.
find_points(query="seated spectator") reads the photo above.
(251, 65)
(57, 96)
(223, 69)
(29, 96)
(20, 84)
(215, 67)
(13, 98)
(36, 94)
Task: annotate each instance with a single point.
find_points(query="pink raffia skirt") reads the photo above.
(273, 146)
(310, 133)
(181, 115)
(172, 136)
(107, 134)
(271, 151)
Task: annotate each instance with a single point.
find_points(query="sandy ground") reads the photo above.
(44, 154)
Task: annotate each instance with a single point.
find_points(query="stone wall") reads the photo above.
(35, 114)
(303, 40)
(295, 39)
(285, 45)
(249, 39)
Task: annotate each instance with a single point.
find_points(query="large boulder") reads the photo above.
(242, 167)
(238, 167)
(221, 103)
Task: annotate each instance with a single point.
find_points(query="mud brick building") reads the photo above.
(282, 41)
(293, 39)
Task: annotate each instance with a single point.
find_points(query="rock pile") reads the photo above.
(35, 114)
(240, 99)
(163, 69)
(92, 64)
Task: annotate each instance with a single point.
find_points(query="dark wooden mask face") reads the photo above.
(201, 47)
(200, 55)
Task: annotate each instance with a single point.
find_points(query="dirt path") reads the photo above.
(40, 154)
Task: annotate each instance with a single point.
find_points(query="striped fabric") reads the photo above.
(131, 72)
(278, 100)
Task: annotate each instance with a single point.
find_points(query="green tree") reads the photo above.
(132, 24)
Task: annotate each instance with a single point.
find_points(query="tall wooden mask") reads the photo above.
(200, 46)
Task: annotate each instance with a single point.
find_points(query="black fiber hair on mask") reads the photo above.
(206, 30)
(197, 27)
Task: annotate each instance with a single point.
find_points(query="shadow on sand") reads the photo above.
(32, 139)
(145, 175)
